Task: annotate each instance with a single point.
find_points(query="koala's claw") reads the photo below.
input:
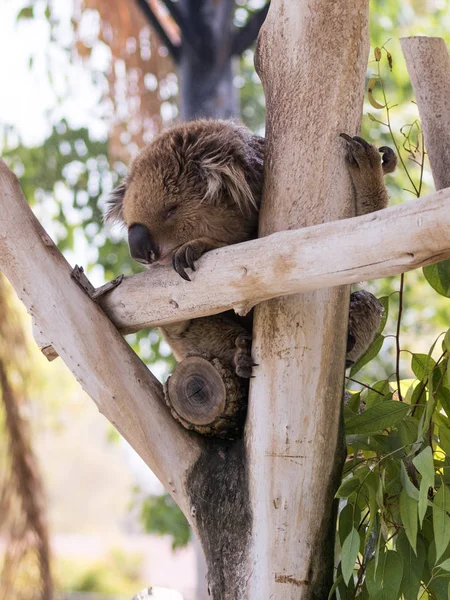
(360, 154)
(179, 264)
(242, 357)
(186, 255)
(389, 159)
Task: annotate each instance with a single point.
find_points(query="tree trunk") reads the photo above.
(312, 57)
(206, 71)
(428, 63)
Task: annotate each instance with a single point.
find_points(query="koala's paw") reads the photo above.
(367, 169)
(185, 256)
(242, 357)
(361, 156)
(389, 159)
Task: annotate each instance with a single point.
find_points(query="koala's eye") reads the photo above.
(171, 210)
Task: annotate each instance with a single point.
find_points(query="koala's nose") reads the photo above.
(142, 247)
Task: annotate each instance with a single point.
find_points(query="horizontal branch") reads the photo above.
(238, 277)
(123, 388)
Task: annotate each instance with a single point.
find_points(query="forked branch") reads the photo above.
(124, 390)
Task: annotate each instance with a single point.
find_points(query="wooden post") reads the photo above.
(312, 57)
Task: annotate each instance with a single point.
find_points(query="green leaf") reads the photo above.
(422, 365)
(409, 487)
(444, 565)
(346, 521)
(27, 12)
(371, 484)
(444, 439)
(438, 276)
(413, 565)
(446, 341)
(372, 351)
(441, 520)
(347, 488)
(408, 513)
(377, 418)
(384, 583)
(350, 549)
(424, 464)
(385, 302)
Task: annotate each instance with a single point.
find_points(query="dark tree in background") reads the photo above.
(205, 51)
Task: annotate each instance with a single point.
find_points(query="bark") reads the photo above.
(311, 57)
(428, 63)
(106, 367)
(207, 397)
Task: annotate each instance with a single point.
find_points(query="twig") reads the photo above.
(397, 335)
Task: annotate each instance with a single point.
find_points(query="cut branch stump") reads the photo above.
(207, 397)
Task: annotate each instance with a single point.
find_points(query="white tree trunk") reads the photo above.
(312, 58)
(428, 63)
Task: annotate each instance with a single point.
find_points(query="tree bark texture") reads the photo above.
(428, 63)
(312, 58)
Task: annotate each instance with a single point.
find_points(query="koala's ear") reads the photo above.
(226, 175)
(114, 209)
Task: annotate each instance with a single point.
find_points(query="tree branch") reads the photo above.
(184, 23)
(289, 262)
(121, 385)
(245, 36)
(174, 51)
(428, 63)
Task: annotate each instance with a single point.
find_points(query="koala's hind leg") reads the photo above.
(218, 336)
(367, 168)
(363, 323)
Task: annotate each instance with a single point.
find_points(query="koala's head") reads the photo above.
(199, 179)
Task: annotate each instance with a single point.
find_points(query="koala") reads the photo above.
(198, 186)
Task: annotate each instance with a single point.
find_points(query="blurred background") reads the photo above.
(84, 85)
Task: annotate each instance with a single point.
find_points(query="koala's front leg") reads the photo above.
(186, 255)
(367, 169)
(363, 323)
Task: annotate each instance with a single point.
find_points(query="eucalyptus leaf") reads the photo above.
(384, 582)
(408, 513)
(413, 565)
(409, 487)
(350, 549)
(441, 520)
(372, 351)
(378, 417)
(438, 276)
(422, 365)
(348, 487)
(424, 464)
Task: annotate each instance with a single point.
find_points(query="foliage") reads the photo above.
(161, 515)
(117, 574)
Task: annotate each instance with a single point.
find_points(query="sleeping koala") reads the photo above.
(198, 186)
